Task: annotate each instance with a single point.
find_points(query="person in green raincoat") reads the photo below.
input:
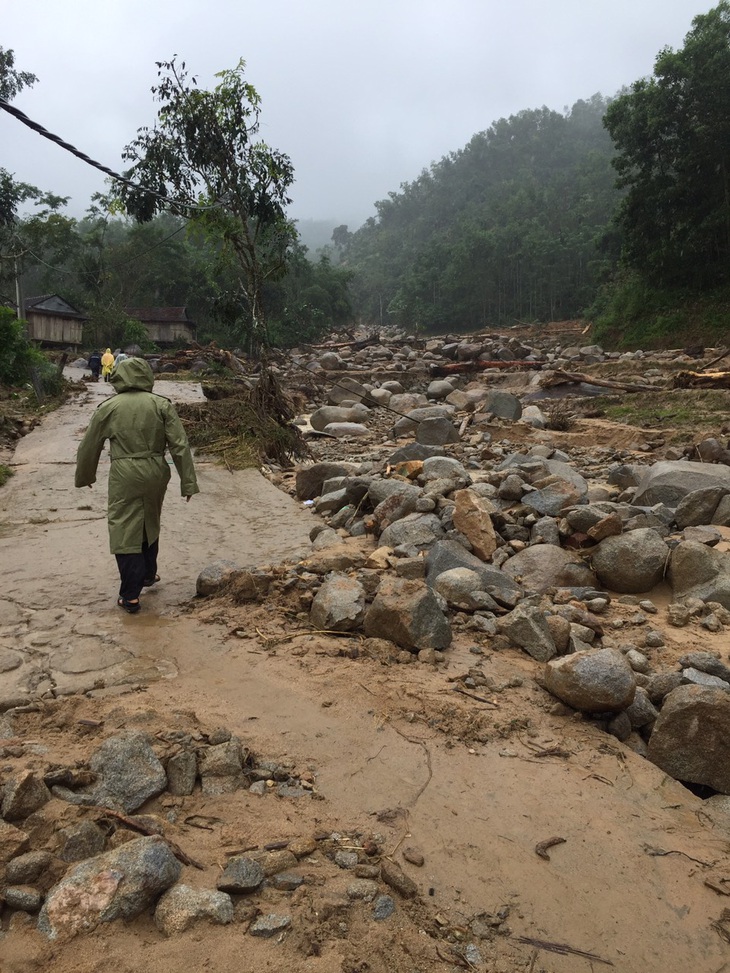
(140, 426)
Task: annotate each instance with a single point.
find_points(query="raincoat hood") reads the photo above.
(133, 373)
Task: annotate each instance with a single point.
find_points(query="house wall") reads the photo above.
(167, 334)
(54, 330)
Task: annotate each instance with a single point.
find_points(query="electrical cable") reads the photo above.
(36, 127)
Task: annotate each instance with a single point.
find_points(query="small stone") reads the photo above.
(414, 856)
(182, 771)
(394, 876)
(240, 875)
(654, 639)
(346, 859)
(384, 907)
(364, 889)
(23, 897)
(269, 925)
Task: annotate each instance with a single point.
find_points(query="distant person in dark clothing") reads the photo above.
(95, 365)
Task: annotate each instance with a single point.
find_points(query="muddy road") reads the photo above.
(625, 884)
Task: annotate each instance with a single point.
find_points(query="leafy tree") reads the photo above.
(17, 354)
(14, 247)
(203, 161)
(672, 133)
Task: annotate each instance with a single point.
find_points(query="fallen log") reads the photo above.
(559, 377)
(701, 380)
(479, 365)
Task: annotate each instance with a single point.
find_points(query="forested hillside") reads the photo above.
(618, 209)
(510, 228)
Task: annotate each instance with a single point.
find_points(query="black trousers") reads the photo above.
(135, 569)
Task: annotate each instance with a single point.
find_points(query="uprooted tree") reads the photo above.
(203, 160)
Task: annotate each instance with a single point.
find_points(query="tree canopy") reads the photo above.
(672, 135)
(203, 161)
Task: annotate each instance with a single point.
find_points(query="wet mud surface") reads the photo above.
(391, 748)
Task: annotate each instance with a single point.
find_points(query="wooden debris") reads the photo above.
(562, 948)
(479, 365)
(559, 377)
(542, 846)
(701, 380)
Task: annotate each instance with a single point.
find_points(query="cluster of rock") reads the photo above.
(98, 868)
(521, 544)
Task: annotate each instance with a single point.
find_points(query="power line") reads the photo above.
(36, 127)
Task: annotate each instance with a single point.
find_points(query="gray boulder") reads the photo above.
(669, 481)
(309, 479)
(691, 737)
(437, 431)
(346, 389)
(128, 773)
(416, 531)
(592, 682)
(631, 562)
(698, 571)
(461, 588)
(528, 628)
(698, 507)
(241, 874)
(544, 566)
(215, 576)
(339, 605)
(22, 795)
(182, 907)
(407, 613)
(120, 884)
(502, 404)
(445, 555)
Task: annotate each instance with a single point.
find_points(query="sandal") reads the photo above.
(148, 582)
(129, 606)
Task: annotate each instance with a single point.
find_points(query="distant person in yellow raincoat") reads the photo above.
(107, 363)
(140, 426)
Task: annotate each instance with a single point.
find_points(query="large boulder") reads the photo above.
(120, 884)
(407, 613)
(502, 404)
(339, 605)
(473, 518)
(416, 531)
(445, 555)
(698, 508)
(182, 907)
(544, 566)
(128, 773)
(698, 571)
(631, 562)
(691, 737)
(600, 681)
(309, 479)
(528, 628)
(669, 481)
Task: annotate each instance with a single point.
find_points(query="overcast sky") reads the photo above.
(361, 94)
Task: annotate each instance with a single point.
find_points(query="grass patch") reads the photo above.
(686, 410)
(5, 474)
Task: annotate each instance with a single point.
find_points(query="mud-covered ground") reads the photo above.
(471, 775)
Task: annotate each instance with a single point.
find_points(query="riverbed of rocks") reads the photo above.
(466, 525)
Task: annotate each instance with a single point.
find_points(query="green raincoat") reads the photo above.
(139, 426)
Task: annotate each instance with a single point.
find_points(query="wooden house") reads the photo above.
(165, 325)
(53, 321)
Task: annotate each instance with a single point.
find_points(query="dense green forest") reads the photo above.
(511, 228)
(616, 209)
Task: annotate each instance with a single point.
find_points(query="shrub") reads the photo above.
(17, 355)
